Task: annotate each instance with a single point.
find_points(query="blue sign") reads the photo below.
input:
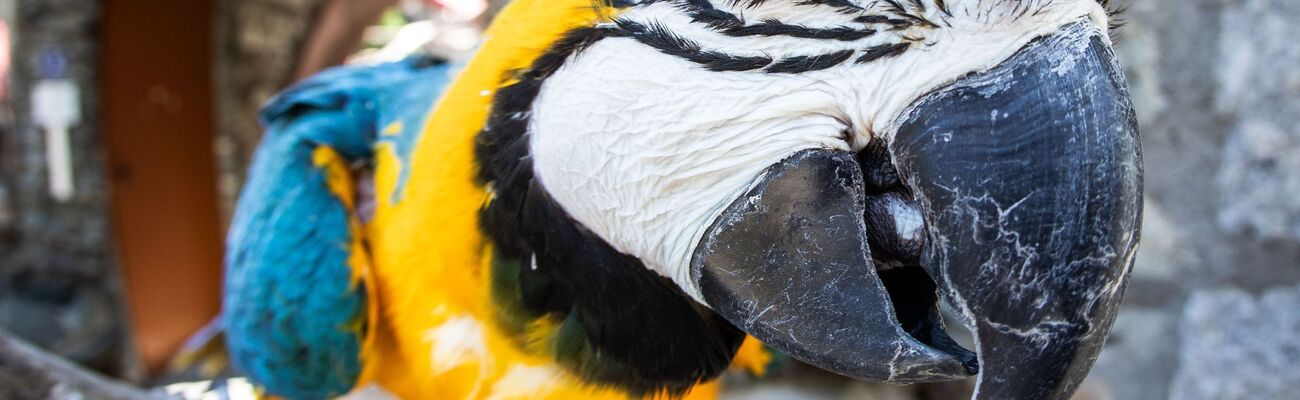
(52, 63)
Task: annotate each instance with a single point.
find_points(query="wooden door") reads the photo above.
(157, 77)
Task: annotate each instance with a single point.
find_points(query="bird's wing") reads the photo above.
(298, 285)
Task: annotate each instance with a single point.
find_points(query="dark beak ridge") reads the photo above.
(1029, 178)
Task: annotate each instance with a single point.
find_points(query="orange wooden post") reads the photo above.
(158, 119)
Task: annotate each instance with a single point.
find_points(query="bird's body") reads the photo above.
(611, 195)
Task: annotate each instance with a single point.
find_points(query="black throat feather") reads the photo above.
(618, 323)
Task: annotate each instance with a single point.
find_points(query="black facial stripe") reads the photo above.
(943, 6)
(894, 23)
(798, 64)
(882, 51)
(660, 38)
(774, 28)
(702, 11)
(913, 15)
(893, 6)
(843, 6)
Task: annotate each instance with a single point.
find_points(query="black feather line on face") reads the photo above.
(620, 324)
(894, 23)
(882, 51)
(844, 6)
(660, 38)
(809, 63)
(702, 11)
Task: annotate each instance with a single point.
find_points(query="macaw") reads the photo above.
(612, 196)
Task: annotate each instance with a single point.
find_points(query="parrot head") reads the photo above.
(819, 175)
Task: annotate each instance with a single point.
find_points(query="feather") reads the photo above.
(411, 298)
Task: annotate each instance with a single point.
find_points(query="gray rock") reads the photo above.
(1164, 252)
(1236, 346)
(1260, 178)
(1259, 88)
(1140, 350)
(1139, 49)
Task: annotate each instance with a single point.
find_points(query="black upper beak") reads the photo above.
(1028, 180)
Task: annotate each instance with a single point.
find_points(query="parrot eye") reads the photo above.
(694, 171)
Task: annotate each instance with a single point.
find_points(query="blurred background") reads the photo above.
(126, 127)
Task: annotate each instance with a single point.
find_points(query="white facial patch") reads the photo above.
(646, 149)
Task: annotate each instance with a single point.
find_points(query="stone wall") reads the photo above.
(1213, 311)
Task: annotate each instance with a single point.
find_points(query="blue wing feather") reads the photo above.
(290, 305)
